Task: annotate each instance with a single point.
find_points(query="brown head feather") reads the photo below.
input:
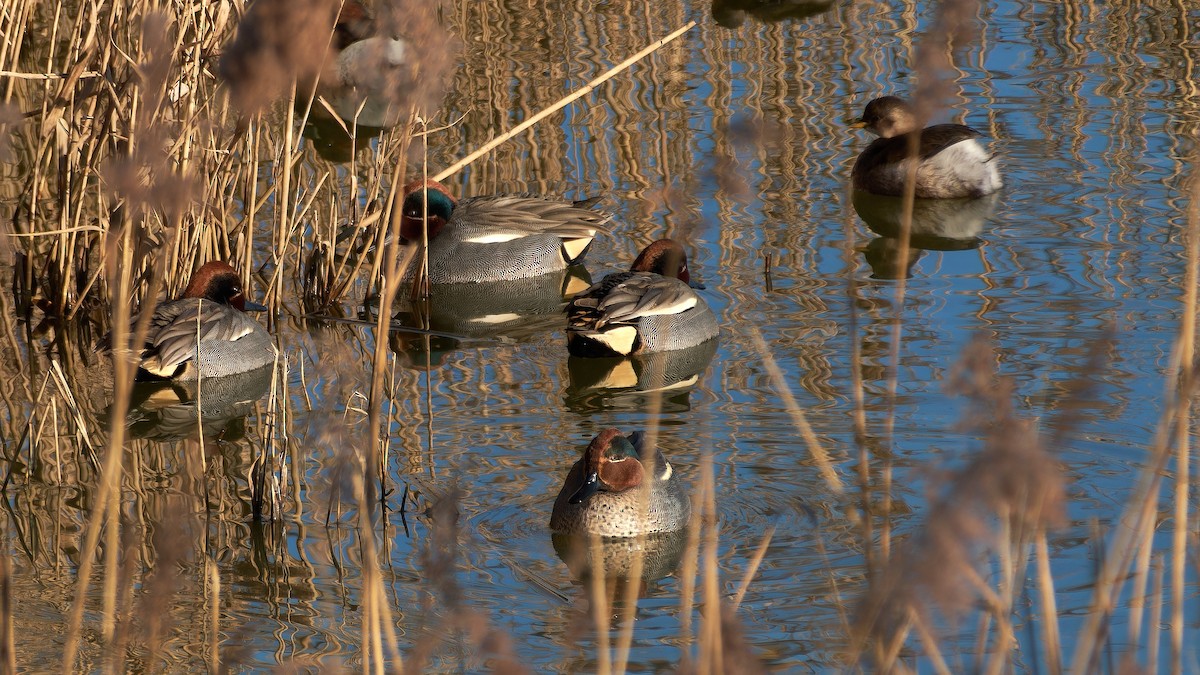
(665, 257)
(218, 282)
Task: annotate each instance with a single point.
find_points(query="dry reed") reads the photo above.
(136, 172)
(1005, 496)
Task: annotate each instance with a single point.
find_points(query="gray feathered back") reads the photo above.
(540, 226)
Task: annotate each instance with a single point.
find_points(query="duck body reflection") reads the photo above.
(211, 408)
(733, 13)
(660, 554)
(936, 225)
(518, 310)
(627, 382)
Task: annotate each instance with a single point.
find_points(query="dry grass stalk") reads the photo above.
(1138, 516)
(601, 610)
(213, 598)
(562, 103)
(377, 615)
(951, 30)
(818, 453)
(710, 642)
(1012, 481)
(752, 568)
(8, 652)
(1156, 611)
(690, 562)
(1186, 346)
(146, 185)
(1051, 644)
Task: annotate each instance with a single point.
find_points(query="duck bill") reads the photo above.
(590, 487)
(252, 306)
(858, 124)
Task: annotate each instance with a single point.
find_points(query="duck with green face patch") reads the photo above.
(496, 237)
(603, 493)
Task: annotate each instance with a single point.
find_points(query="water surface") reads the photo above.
(735, 142)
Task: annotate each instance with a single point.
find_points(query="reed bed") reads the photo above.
(139, 140)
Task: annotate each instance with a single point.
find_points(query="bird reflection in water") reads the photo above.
(937, 225)
(626, 382)
(733, 13)
(214, 408)
(660, 555)
(519, 310)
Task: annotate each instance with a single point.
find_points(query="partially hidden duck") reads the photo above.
(650, 308)
(950, 162)
(496, 237)
(206, 333)
(365, 71)
(603, 493)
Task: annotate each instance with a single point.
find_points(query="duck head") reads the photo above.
(613, 463)
(665, 257)
(427, 207)
(887, 117)
(218, 282)
(354, 23)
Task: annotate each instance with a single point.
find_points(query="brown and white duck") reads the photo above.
(950, 162)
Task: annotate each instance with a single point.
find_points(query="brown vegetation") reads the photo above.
(136, 164)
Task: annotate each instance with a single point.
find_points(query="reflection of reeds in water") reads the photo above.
(131, 177)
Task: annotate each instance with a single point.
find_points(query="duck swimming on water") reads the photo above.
(206, 333)
(950, 162)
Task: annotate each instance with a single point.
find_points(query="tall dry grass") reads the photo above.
(138, 164)
(150, 132)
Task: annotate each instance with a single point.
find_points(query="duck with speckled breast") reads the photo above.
(364, 74)
(496, 237)
(950, 163)
(603, 493)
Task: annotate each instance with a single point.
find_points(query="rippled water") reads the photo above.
(734, 141)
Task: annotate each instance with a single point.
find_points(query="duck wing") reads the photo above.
(627, 297)
(499, 218)
(938, 137)
(177, 326)
(934, 139)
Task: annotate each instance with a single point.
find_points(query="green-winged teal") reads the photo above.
(950, 164)
(651, 308)
(367, 73)
(496, 237)
(603, 493)
(206, 333)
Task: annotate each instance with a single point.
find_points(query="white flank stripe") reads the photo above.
(494, 237)
(496, 318)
